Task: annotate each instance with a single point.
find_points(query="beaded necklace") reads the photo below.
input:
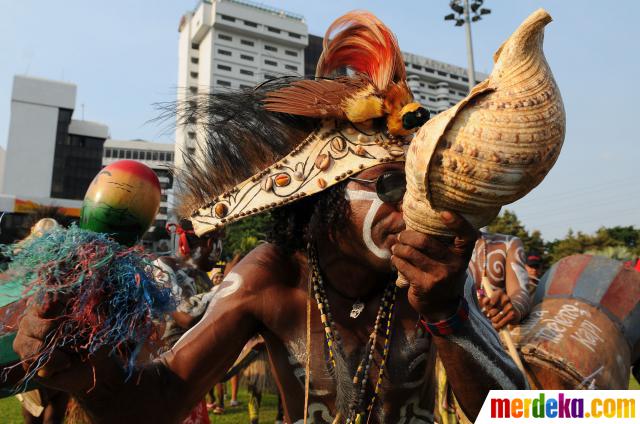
(358, 410)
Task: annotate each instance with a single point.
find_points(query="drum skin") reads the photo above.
(584, 327)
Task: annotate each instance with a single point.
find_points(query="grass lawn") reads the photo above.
(10, 409)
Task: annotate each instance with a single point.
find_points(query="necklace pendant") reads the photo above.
(356, 309)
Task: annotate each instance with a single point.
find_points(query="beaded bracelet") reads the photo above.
(450, 325)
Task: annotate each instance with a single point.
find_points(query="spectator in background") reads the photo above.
(534, 270)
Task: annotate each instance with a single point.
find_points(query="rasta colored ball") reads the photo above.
(122, 200)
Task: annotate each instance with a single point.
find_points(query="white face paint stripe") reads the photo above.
(361, 195)
(368, 220)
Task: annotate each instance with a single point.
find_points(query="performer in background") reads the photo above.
(187, 273)
(501, 259)
(346, 344)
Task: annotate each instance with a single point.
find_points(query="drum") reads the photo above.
(584, 327)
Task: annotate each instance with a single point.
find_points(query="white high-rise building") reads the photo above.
(436, 85)
(234, 44)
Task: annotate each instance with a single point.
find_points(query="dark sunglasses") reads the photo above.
(390, 186)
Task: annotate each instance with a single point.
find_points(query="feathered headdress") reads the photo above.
(364, 44)
(290, 138)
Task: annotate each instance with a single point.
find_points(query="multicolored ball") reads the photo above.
(122, 200)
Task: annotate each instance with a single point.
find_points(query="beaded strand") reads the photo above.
(386, 309)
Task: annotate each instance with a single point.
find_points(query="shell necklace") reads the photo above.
(383, 325)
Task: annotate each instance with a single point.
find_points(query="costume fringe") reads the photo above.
(113, 298)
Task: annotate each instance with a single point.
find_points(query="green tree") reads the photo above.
(509, 223)
(244, 235)
(615, 242)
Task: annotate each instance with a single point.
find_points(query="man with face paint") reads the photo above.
(345, 343)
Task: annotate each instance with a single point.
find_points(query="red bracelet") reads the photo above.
(450, 325)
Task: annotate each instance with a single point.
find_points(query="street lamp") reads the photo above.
(464, 17)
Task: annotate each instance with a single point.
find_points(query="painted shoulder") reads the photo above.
(267, 266)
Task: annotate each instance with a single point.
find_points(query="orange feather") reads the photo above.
(364, 44)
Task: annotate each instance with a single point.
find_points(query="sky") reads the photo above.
(122, 55)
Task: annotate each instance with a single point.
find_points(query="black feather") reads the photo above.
(237, 138)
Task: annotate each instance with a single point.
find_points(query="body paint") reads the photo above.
(368, 220)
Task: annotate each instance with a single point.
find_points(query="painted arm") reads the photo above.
(517, 279)
(165, 390)
(472, 355)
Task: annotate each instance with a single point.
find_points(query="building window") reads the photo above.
(274, 30)
(154, 156)
(414, 66)
(433, 87)
(442, 74)
(269, 77)
(191, 135)
(195, 46)
(251, 24)
(225, 37)
(128, 154)
(455, 77)
(224, 67)
(270, 62)
(452, 92)
(223, 83)
(163, 156)
(194, 60)
(246, 72)
(120, 154)
(107, 153)
(294, 35)
(291, 67)
(246, 87)
(246, 57)
(291, 53)
(433, 99)
(270, 48)
(136, 154)
(227, 18)
(194, 75)
(193, 90)
(465, 79)
(247, 43)
(191, 150)
(169, 158)
(429, 70)
(224, 52)
(421, 84)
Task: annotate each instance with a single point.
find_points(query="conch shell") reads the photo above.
(495, 145)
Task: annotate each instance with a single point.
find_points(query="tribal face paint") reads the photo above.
(368, 220)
